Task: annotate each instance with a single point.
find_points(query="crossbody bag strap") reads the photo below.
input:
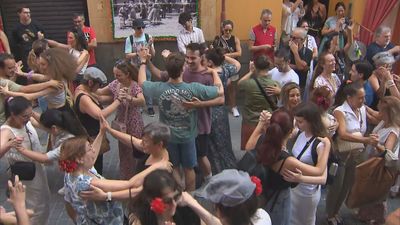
(271, 104)
(305, 147)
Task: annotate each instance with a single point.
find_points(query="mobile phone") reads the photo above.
(333, 169)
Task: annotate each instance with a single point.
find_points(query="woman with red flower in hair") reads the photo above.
(77, 159)
(157, 203)
(323, 98)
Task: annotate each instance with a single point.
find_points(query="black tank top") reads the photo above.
(229, 45)
(91, 124)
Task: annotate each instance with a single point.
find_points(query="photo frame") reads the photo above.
(160, 16)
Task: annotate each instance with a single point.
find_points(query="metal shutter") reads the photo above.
(54, 15)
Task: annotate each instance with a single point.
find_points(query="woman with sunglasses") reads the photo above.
(125, 87)
(18, 132)
(88, 107)
(232, 48)
(157, 203)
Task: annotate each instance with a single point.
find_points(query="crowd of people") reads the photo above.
(312, 118)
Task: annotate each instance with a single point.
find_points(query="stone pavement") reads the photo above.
(59, 216)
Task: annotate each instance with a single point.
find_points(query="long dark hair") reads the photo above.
(80, 39)
(153, 186)
(281, 124)
(312, 114)
(60, 119)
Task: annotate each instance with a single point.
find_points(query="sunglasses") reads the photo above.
(139, 28)
(228, 30)
(176, 197)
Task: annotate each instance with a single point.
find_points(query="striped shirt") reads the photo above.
(186, 37)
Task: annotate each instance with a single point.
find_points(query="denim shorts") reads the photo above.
(183, 154)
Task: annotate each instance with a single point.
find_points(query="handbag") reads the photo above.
(24, 170)
(372, 183)
(347, 146)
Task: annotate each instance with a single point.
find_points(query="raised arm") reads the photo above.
(56, 44)
(86, 105)
(82, 60)
(4, 40)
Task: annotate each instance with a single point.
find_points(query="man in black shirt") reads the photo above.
(301, 56)
(24, 34)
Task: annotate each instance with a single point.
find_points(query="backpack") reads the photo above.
(146, 36)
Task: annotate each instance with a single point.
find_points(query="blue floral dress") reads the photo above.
(220, 145)
(90, 212)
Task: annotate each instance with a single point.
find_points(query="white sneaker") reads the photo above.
(61, 191)
(235, 112)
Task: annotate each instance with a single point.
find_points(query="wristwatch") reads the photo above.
(109, 196)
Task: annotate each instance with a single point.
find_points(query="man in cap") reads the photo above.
(133, 45)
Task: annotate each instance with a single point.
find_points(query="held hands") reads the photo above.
(40, 35)
(251, 67)
(16, 143)
(373, 140)
(186, 200)
(104, 125)
(144, 54)
(264, 119)
(325, 141)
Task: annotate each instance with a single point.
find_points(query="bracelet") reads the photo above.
(29, 75)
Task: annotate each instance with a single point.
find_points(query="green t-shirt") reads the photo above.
(12, 86)
(251, 101)
(181, 121)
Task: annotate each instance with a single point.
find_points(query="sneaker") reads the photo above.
(150, 111)
(235, 112)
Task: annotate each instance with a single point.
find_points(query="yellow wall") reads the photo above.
(101, 19)
(246, 13)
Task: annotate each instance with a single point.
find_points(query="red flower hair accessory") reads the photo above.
(258, 184)
(157, 206)
(323, 102)
(68, 166)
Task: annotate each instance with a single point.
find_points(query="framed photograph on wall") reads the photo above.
(160, 16)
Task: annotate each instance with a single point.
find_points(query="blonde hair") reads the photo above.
(61, 64)
(391, 106)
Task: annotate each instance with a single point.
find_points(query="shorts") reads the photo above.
(246, 131)
(183, 154)
(202, 145)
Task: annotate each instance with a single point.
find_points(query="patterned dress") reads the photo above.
(91, 212)
(220, 145)
(134, 126)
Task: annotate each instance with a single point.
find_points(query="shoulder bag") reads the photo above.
(270, 100)
(24, 170)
